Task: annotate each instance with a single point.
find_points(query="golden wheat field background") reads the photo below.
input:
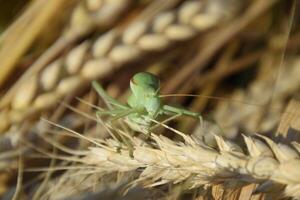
(236, 62)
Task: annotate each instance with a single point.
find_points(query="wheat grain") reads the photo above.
(75, 57)
(95, 13)
(25, 95)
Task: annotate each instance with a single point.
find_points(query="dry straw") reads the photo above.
(13, 47)
(96, 59)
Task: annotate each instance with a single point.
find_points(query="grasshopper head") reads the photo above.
(144, 83)
(145, 94)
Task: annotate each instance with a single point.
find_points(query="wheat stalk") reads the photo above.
(96, 59)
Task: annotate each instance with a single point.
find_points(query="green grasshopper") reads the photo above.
(144, 105)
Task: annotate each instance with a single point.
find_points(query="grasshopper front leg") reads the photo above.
(122, 111)
(106, 97)
(182, 111)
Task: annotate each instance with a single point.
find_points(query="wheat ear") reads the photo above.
(197, 164)
(96, 59)
(86, 16)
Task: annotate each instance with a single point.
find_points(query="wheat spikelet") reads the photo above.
(90, 60)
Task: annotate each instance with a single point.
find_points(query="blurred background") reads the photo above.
(240, 59)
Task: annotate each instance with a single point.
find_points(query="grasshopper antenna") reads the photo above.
(212, 97)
